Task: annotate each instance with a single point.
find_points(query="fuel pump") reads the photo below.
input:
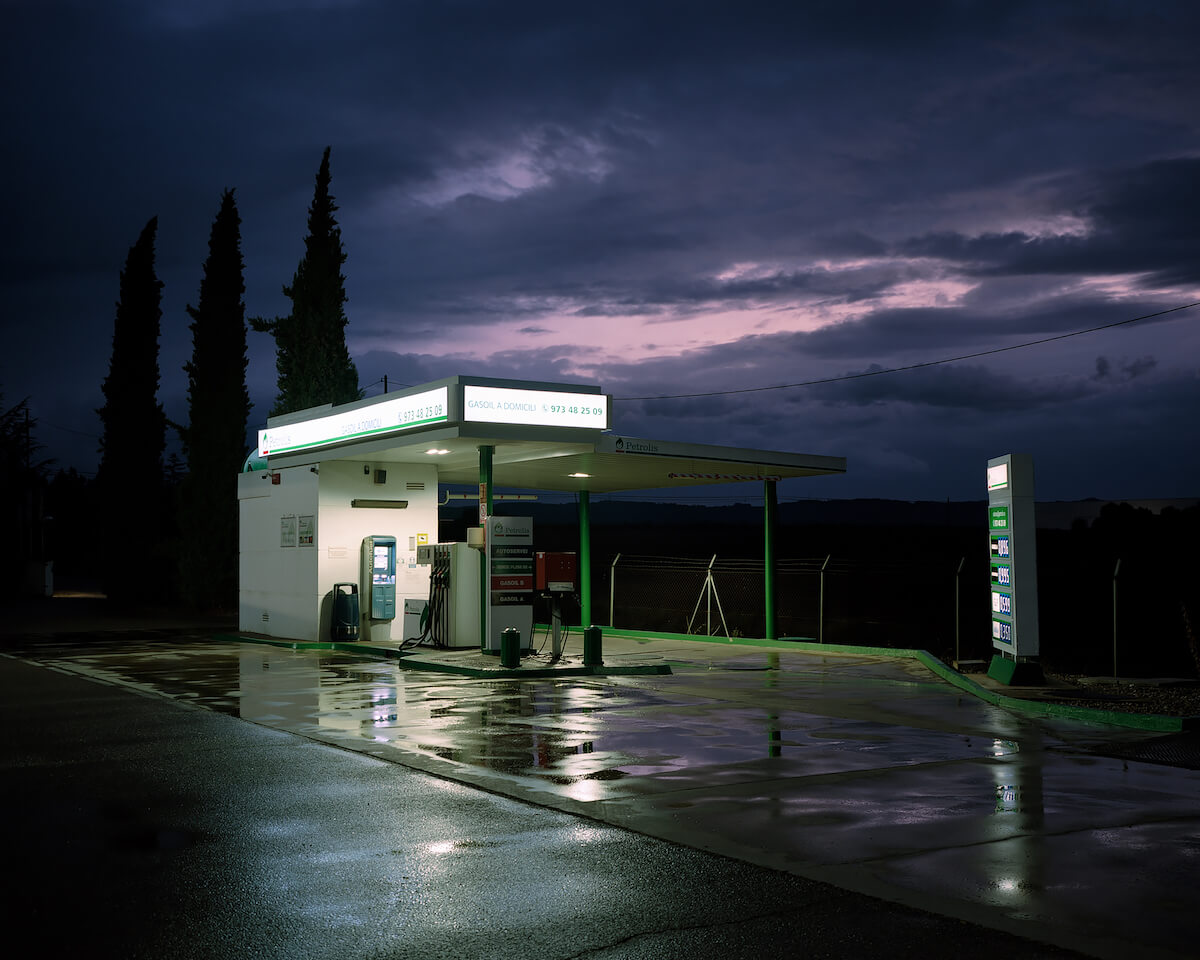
(554, 577)
(453, 605)
(432, 628)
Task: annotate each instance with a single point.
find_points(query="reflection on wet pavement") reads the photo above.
(561, 731)
(864, 771)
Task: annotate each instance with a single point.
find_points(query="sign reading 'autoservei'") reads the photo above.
(535, 408)
(388, 416)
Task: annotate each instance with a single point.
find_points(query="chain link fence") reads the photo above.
(935, 602)
(825, 599)
(885, 604)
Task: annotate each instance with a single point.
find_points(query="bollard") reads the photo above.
(510, 648)
(592, 653)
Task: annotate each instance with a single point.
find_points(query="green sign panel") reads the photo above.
(1012, 539)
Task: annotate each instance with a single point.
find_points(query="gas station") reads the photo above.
(338, 508)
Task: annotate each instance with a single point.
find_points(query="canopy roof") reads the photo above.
(545, 436)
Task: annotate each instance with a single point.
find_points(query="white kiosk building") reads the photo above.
(349, 495)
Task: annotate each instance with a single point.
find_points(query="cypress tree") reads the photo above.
(134, 427)
(311, 358)
(214, 440)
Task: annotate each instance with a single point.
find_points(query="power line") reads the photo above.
(915, 366)
(82, 433)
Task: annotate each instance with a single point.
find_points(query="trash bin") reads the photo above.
(510, 648)
(344, 622)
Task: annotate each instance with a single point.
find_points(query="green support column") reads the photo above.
(585, 560)
(769, 511)
(485, 502)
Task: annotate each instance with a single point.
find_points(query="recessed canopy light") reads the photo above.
(436, 452)
(578, 474)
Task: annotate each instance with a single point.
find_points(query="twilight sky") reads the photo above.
(659, 197)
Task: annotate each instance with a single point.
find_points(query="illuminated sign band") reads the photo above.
(390, 416)
(537, 408)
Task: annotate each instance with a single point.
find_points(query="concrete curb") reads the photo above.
(1035, 708)
(407, 662)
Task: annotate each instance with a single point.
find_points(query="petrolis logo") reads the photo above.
(511, 528)
(624, 445)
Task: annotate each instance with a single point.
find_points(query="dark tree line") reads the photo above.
(171, 530)
(22, 481)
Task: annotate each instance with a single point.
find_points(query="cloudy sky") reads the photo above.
(662, 198)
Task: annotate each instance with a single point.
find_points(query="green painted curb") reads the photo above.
(1035, 708)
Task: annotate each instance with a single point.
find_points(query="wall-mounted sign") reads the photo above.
(287, 531)
(535, 408)
(388, 416)
(306, 530)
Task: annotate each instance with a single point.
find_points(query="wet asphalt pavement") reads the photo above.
(314, 830)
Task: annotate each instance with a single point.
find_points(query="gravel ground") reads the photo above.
(1175, 699)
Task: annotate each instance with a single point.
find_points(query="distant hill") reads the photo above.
(1051, 515)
